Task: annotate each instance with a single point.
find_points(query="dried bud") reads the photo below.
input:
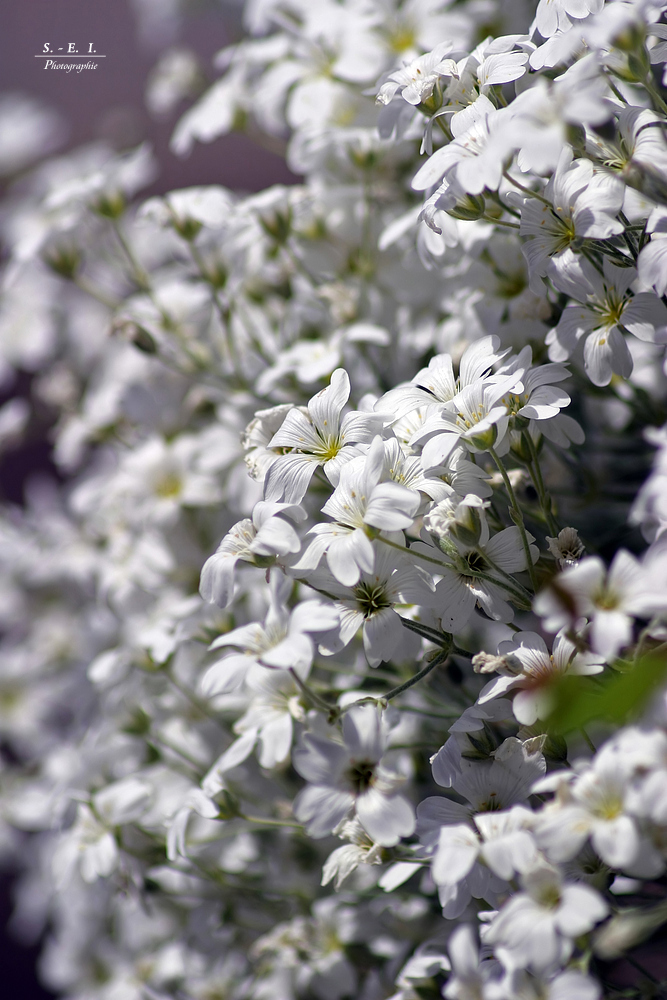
(488, 663)
(567, 549)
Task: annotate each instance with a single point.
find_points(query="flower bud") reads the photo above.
(110, 205)
(469, 208)
(65, 260)
(567, 548)
(485, 439)
(462, 521)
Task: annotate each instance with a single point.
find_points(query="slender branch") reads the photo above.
(424, 672)
(538, 481)
(517, 517)
(265, 821)
(526, 190)
(440, 638)
(499, 222)
(589, 741)
(312, 696)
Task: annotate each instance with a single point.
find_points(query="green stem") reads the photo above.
(96, 293)
(655, 96)
(517, 517)
(418, 555)
(589, 741)
(441, 639)
(531, 194)
(265, 821)
(138, 273)
(499, 222)
(538, 481)
(640, 968)
(424, 672)
(311, 695)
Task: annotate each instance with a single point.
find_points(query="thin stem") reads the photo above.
(655, 95)
(223, 312)
(591, 260)
(517, 517)
(589, 741)
(431, 715)
(138, 273)
(265, 821)
(640, 968)
(499, 222)
(192, 698)
(440, 638)
(531, 194)
(478, 576)
(614, 89)
(96, 293)
(436, 662)
(413, 552)
(538, 481)
(509, 583)
(310, 694)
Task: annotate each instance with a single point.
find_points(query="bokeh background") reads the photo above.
(109, 104)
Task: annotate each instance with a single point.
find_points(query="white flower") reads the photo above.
(476, 157)
(469, 574)
(350, 775)
(593, 804)
(476, 417)
(555, 15)
(284, 641)
(359, 501)
(437, 383)
(609, 599)
(317, 436)
(370, 604)
(604, 308)
(566, 548)
(88, 844)
(416, 81)
(472, 978)
(276, 703)
(258, 541)
(584, 203)
(528, 669)
(536, 928)
(344, 860)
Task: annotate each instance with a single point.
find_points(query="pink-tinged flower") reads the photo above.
(348, 776)
(528, 669)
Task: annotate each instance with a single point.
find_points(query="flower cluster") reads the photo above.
(333, 665)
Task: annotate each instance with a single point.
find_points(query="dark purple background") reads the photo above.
(107, 103)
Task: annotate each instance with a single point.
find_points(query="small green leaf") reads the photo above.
(616, 697)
